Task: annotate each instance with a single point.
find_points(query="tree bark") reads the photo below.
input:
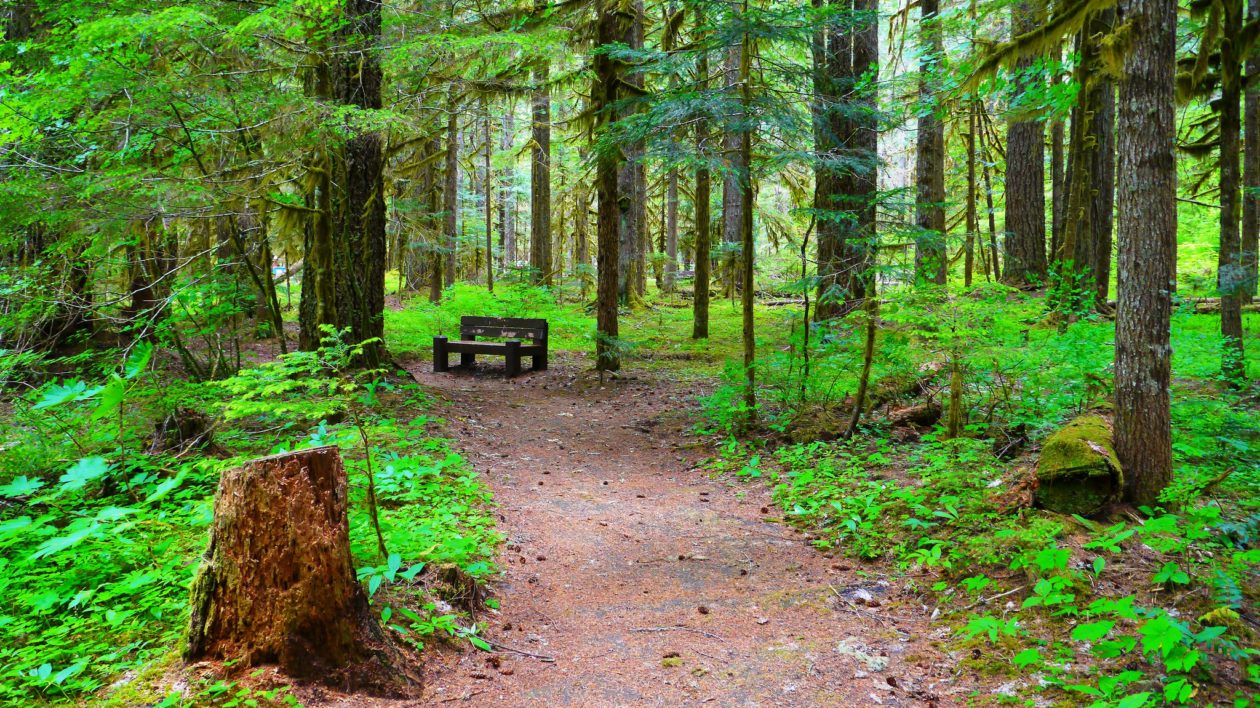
(845, 161)
(360, 240)
(731, 193)
(747, 244)
(988, 201)
(1231, 276)
(930, 259)
(607, 165)
(1103, 169)
(581, 235)
(436, 220)
(488, 189)
(1058, 177)
(1025, 183)
(1147, 227)
(277, 585)
(632, 186)
(507, 196)
(540, 261)
(973, 224)
(1250, 236)
(671, 231)
(700, 298)
(1084, 253)
(450, 192)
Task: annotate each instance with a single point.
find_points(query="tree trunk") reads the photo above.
(1103, 178)
(833, 79)
(930, 259)
(411, 265)
(747, 252)
(450, 192)
(860, 245)
(1058, 178)
(436, 221)
(1025, 183)
(1250, 237)
(731, 193)
(540, 262)
(507, 196)
(360, 239)
(632, 187)
(581, 234)
(1086, 238)
(845, 160)
(700, 298)
(318, 306)
(604, 95)
(1231, 277)
(277, 585)
(973, 224)
(671, 231)
(988, 204)
(1147, 227)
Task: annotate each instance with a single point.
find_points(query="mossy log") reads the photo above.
(277, 585)
(1078, 472)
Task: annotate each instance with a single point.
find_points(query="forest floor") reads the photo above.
(632, 576)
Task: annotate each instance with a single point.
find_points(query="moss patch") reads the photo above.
(1078, 472)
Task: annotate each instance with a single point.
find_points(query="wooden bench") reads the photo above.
(510, 328)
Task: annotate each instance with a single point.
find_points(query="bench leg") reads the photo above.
(467, 359)
(540, 362)
(441, 357)
(513, 355)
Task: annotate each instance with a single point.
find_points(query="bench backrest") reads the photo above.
(534, 330)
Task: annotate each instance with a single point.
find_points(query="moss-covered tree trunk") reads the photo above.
(700, 302)
(277, 585)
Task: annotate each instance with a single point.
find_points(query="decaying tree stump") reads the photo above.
(277, 585)
(1078, 472)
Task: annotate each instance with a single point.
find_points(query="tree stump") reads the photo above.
(1078, 472)
(277, 586)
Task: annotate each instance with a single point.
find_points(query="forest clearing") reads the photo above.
(614, 353)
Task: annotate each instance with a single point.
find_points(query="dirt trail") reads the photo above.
(645, 581)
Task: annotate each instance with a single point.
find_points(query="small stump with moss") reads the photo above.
(1078, 472)
(277, 585)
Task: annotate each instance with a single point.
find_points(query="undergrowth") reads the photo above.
(1155, 607)
(103, 520)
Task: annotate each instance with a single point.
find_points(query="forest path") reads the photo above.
(647, 581)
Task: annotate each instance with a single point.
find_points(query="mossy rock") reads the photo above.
(1078, 472)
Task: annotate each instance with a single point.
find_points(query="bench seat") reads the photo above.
(475, 347)
(468, 346)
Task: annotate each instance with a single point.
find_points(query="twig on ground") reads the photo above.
(679, 628)
(522, 652)
(987, 600)
(464, 697)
